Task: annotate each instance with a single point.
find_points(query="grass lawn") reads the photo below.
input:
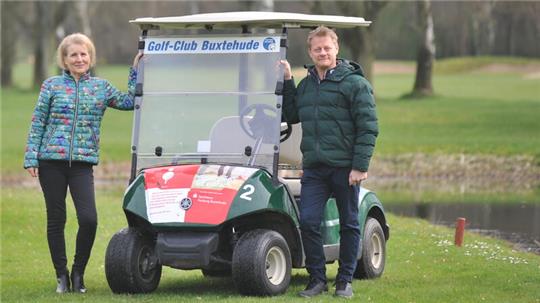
(471, 113)
(422, 264)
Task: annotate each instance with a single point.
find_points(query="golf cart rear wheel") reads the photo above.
(261, 264)
(371, 265)
(131, 264)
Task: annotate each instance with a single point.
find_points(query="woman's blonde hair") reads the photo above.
(322, 31)
(76, 38)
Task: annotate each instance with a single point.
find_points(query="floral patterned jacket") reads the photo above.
(67, 118)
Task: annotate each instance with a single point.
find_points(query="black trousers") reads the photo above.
(55, 178)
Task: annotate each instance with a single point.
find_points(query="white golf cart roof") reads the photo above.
(249, 18)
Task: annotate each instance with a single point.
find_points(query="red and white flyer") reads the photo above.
(200, 194)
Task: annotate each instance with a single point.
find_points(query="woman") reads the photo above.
(63, 146)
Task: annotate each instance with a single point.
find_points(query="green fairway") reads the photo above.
(486, 113)
(481, 122)
(422, 265)
(472, 113)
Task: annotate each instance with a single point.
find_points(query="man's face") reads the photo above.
(323, 52)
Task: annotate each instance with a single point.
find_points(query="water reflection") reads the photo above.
(518, 223)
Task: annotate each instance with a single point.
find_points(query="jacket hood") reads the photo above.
(343, 69)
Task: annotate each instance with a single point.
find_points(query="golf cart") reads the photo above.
(215, 174)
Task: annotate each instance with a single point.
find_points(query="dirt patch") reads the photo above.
(502, 68)
(384, 67)
(422, 172)
(105, 175)
(532, 76)
(456, 173)
(529, 71)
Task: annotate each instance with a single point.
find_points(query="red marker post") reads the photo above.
(460, 229)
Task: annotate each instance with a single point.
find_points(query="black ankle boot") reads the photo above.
(62, 283)
(77, 282)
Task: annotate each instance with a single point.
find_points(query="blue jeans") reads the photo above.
(318, 185)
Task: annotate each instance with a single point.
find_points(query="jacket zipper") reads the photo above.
(74, 122)
(317, 140)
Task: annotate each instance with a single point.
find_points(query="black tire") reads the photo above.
(373, 259)
(261, 264)
(131, 264)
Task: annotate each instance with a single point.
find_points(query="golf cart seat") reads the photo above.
(290, 160)
(220, 136)
(289, 150)
(293, 185)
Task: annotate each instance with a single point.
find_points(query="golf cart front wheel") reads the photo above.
(261, 263)
(371, 265)
(131, 264)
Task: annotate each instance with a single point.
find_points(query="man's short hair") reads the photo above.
(322, 31)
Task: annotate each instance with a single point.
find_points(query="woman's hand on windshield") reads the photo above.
(138, 57)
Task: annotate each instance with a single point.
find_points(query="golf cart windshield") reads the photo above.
(209, 99)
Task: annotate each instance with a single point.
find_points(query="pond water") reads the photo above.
(518, 223)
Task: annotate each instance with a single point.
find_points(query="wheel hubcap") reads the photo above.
(276, 265)
(146, 263)
(376, 250)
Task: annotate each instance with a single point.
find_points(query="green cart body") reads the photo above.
(215, 178)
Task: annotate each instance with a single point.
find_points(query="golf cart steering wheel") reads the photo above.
(257, 126)
(286, 133)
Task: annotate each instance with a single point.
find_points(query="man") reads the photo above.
(336, 107)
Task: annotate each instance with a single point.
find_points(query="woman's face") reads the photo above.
(77, 60)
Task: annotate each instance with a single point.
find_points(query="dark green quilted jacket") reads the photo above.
(339, 122)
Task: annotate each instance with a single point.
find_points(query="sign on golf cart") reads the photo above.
(207, 148)
(212, 45)
(195, 193)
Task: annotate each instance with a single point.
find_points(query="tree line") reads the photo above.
(421, 30)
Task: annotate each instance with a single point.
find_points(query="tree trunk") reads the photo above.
(9, 38)
(82, 9)
(266, 5)
(41, 37)
(426, 51)
(483, 27)
(366, 52)
(362, 42)
(363, 48)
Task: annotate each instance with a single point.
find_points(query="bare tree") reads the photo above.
(9, 39)
(42, 31)
(426, 51)
(48, 19)
(82, 9)
(266, 5)
(362, 41)
(260, 5)
(483, 26)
